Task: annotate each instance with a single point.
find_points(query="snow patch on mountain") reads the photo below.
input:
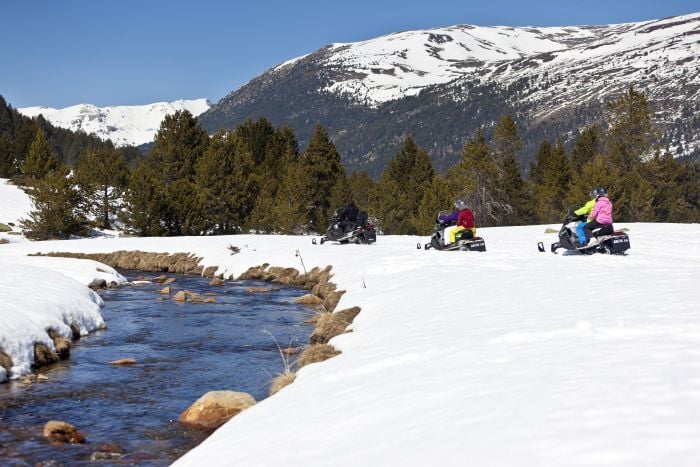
(402, 64)
(124, 125)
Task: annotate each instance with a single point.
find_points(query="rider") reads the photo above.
(347, 216)
(465, 222)
(583, 212)
(600, 216)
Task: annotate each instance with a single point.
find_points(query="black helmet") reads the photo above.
(460, 204)
(599, 191)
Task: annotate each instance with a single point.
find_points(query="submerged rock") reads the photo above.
(181, 296)
(43, 355)
(61, 344)
(215, 408)
(5, 361)
(123, 361)
(261, 289)
(62, 432)
(216, 281)
(98, 284)
(308, 299)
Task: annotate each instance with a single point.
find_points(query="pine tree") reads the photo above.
(56, 212)
(631, 132)
(588, 144)
(411, 171)
(102, 176)
(507, 143)
(360, 184)
(390, 208)
(633, 196)
(226, 178)
(6, 162)
(551, 192)
(25, 134)
(145, 202)
(476, 180)
(185, 213)
(673, 187)
(506, 140)
(180, 141)
(321, 172)
(542, 158)
(291, 208)
(40, 159)
(436, 198)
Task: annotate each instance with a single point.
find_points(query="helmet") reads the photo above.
(599, 191)
(460, 204)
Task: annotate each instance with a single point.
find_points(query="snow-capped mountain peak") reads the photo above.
(124, 125)
(402, 64)
(441, 84)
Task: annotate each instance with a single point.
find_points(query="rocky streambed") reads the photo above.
(218, 335)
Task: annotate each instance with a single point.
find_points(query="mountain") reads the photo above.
(440, 85)
(124, 125)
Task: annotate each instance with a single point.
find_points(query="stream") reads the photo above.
(183, 350)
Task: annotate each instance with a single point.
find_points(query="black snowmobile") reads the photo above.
(465, 240)
(605, 239)
(357, 231)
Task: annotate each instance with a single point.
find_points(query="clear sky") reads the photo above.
(58, 53)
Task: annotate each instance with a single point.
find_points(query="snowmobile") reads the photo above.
(357, 231)
(465, 241)
(604, 240)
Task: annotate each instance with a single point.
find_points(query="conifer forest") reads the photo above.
(255, 178)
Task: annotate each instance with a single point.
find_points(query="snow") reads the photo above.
(644, 54)
(15, 204)
(508, 357)
(124, 125)
(36, 299)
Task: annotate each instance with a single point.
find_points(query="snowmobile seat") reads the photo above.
(466, 235)
(605, 230)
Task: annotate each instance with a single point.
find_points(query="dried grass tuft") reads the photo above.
(282, 380)
(316, 353)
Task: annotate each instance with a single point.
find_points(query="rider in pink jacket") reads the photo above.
(600, 216)
(602, 211)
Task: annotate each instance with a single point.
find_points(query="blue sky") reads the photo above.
(128, 52)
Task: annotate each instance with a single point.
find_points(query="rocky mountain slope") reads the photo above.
(440, 85)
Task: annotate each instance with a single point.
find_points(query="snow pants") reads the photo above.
(579, 232)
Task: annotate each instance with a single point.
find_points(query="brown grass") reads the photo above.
(330, 325)
(282, 380)
(178, 263)
(316, 353)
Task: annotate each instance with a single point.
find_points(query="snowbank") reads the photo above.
(36, 299)
(15, 204)
(508, 357)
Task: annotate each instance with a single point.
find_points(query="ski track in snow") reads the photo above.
(508, 357)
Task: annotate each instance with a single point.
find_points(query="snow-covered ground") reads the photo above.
(505, 358)
(15, 204)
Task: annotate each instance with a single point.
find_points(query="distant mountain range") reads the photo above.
(440, 85)
(124, 125)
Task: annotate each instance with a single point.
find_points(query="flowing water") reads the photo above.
(183, 350)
